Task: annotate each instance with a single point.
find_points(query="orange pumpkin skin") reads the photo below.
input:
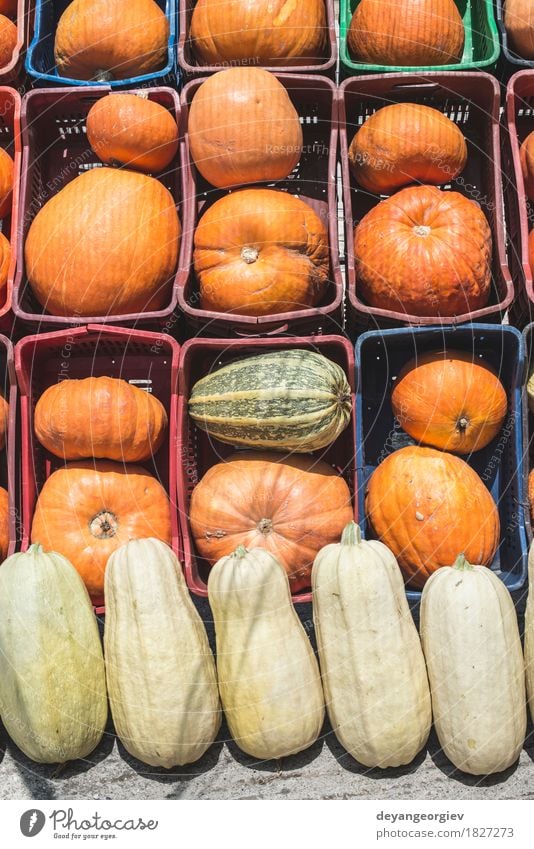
(406, 143)
(5, 261)
(100, 417)
(111, 40)
(9, 8)
(258, 252)
(526, 156)
(449, 401)
(406, 32)
(125, 129)
(428, 506)
(424, 252)
(8, 40)
(87, 510)
(274, 33)
(291, 506)
(4, 421)
(519, 24)
(6, 182)
(531, 494)
(243, 128)
(531, 250)
(4, 523)
(106, 243)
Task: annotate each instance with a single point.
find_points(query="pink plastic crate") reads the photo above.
(199, 452)
(10, 454)
(10, 141)
(149, 359)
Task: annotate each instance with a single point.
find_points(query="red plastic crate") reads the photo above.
(10, 141)
(519, 114)
(313, 180)
(10, 72)
(188, 62)
(149, 359)
(8, 458)
(472, 101)
(55, 151)
(198, 451)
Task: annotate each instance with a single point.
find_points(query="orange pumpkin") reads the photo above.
(9, 8)
(8, 40)
(428, 506)
(6, 182)
(127, 129)
(4, 523)
(424, 252)
(449, 401)
(406, 32)
(259, 251)
(87, 510)
(111, 40)
(531, 494)
(531, 250)
(5, 262)
(526, 156)
(4, 421)
(106, 243)
(292, 506)
(100, 417)
(243, 128)
(519, 24)
(406, 143)
(270, 33)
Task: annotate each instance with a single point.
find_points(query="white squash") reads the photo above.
(372, 664)
(475, 666)
(53, 699)
(160, 670)
(529, 633)
(269, 678)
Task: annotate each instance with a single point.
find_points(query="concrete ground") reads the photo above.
(325, 771)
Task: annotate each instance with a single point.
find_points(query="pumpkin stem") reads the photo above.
(351, 535)
(250, 255)
(240, 552)
(422, 230)
(265, 526)
(35, 548)
(103, 76)
(104, 525)
(462, 564)
(463, 423)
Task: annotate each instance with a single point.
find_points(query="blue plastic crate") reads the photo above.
(40, 62)
(380, 355)
(515, 61)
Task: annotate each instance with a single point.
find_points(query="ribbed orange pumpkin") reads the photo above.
(4, 420)
(526, 155)
(406, 143)
(428, 506)
(9, 8)
(106, 243)
(8, 40)
(450, 401)
(243, 128)
(87, 510)
(292, 506)
(5, 261)
(519, 24)
(127, 129)
(100, 417)
(110, 39)
(269, 33)
(259, 251)
(424, 252)
(6, 182)
(406, 32)
(4, 523)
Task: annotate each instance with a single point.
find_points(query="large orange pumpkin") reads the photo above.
(269, 33)
(424, 252)
(449, 401)
(292, 506)
(110, 39)
(531, 250)
(4, 523)
(259, 251)
(406, 143)
(519, 23)
(106, 243)
(429, 506)
(87, 510)
(243, 128)
(5, 261)
(127, 129)
(6, 182)
(100, 417)
(4, 421)
(8, 40)
(526, 156)
(406, 32)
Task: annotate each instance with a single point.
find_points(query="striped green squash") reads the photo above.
(287, 400)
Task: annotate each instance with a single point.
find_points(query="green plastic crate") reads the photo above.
(481, 49)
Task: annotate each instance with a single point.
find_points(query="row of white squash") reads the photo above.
(380, 683)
